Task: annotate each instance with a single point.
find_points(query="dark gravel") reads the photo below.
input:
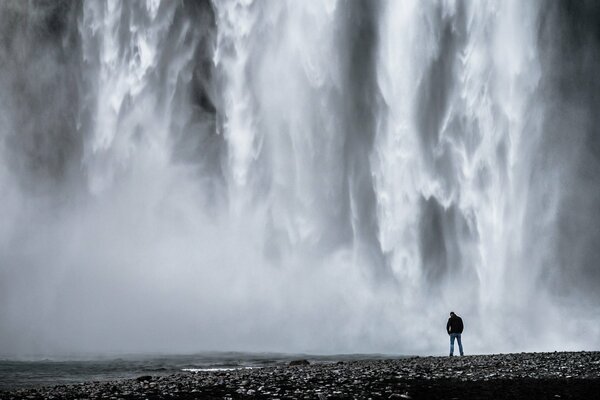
(504, 376)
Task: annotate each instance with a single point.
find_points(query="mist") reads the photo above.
(317, 176)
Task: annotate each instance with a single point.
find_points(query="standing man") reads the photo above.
(454, 327)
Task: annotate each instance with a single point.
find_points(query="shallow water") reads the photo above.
(30, 373)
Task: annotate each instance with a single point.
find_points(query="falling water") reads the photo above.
(319, 176)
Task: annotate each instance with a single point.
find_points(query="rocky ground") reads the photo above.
(505, 376)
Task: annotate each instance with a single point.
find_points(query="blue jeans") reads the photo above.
(457, 337)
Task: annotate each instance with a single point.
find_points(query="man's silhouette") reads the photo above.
(454, 327)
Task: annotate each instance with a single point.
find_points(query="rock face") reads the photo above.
(506, 376)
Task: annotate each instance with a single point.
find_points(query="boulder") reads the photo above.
(297, 363)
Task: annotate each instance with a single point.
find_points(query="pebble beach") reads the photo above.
(504, 376)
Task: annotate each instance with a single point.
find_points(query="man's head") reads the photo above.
(452, 313)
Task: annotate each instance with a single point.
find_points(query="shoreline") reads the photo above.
(520, 375)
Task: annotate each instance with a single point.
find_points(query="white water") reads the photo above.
(316, 176)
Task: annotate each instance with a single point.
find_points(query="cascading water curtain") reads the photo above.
(317, 176)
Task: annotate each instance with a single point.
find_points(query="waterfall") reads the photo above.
(315, 176)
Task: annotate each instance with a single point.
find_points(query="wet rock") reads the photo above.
(295, 363)
(542, 375)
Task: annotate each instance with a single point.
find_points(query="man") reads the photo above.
(454, 327)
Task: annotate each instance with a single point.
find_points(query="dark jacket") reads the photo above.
(454, 325)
